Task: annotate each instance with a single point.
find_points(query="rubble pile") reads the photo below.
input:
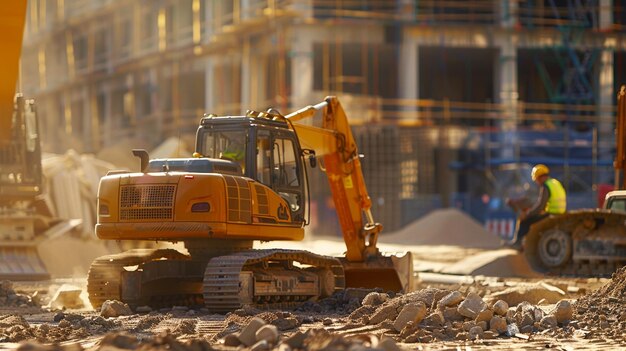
(10, 298)
(258, 334)
(603, 312)
(441, 315)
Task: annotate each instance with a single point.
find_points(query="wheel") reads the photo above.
(555, 248)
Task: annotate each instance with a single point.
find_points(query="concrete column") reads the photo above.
(605, 17)
(246, 73)
(506, 88)
(209, 94)
(606, 96)
(506, 79)
(508, 13)
(302, 71)
(409, 75)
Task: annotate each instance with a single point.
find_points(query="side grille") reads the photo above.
(262, 200)
(239, 202)
(147, 202)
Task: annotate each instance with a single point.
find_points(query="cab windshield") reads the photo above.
(229, 145)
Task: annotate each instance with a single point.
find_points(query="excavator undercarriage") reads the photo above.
(272, 278)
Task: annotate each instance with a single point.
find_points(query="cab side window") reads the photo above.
(284, 173)
(263, 159)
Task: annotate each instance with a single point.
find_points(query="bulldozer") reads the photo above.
(246, 181)
(586, 242)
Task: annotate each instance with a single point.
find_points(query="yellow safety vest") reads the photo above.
(557, 203)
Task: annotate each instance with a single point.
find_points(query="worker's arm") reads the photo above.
(540, 204)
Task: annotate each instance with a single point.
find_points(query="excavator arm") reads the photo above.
(333, 142)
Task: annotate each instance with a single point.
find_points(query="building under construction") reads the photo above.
(450, 99)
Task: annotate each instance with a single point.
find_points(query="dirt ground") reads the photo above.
(469, 294)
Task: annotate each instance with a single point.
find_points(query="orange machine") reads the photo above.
(21, 228)
(247, 181)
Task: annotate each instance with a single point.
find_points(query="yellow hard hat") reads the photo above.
(538, 171)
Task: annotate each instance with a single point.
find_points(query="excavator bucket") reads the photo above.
(389, 272)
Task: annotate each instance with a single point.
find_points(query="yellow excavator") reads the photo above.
(247, 181)
(20, 160)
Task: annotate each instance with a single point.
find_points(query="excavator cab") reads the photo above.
(267, 151)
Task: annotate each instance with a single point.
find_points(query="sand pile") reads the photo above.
(603, 312)
(444, 227)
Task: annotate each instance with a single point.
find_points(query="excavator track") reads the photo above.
(224, 284)
(258, 278)
(104, 279)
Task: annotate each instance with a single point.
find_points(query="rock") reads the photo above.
(261, 345)
(497, 324)
(548, 322)
(412, 312)
(462, 336)
(525, 319)
(374, 299)
(475, 332)
(562, 311)
(296, 340)
(527, 329)
(120, 341)
(533, 294)
(512, 329)
(361, 312)
(114, 308)
(327, 321)
(388, 344)
(232, 340)
(67, 296)
(435, 319)
(510, 316)
(468, 325)
(484, 316)
(452, 314)
(500, 307)
(359, 294)
(248, 333)
(484, 325)
(268, 332)
(538, 314)
(59, 316)
(452, 299)
(489, 334)
(283, 347)
(286, 323)
(385, 312)
(472, 306)
(143, 309)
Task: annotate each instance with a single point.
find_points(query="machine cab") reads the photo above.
(267, 151)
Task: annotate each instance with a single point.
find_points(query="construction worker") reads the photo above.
(552, 200)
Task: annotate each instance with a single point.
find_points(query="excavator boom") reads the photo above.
(333, 141)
